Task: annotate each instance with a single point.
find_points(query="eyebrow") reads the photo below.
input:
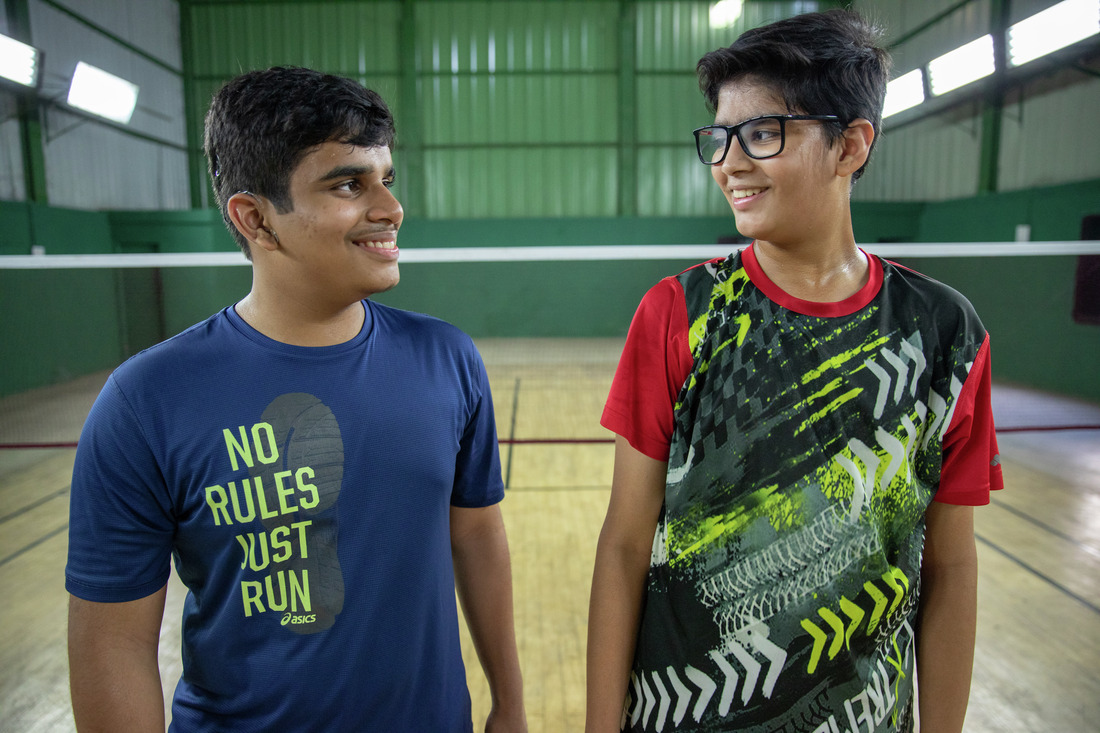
(347, 171)
(746, 119)
(354, 171)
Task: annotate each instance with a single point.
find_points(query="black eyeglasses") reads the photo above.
(761, 137)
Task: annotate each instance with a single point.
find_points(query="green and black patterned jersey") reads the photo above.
(807, 441)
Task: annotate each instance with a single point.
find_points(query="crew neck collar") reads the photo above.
(845, 307)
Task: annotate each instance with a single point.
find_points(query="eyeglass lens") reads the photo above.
(759, 139)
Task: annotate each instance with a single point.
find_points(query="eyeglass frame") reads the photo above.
(734, 131)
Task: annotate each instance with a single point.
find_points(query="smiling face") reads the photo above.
(797, 196)
(339, 241)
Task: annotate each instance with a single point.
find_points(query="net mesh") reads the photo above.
(67, 326)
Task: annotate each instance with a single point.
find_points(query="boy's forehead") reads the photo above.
(320, 161)
(744, 98)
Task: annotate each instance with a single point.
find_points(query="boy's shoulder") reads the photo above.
(416, 326)
(929, 290)
(195, 349)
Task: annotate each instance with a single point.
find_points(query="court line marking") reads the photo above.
(555, 441)
(1039, 574)
(511, 434)
(1046, 428)
(23, 550)
(540, 489)
(1088, 549)
(34, 504)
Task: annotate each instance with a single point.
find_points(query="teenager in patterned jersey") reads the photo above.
(323, 469)
(803, 430)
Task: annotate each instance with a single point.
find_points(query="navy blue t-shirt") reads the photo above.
(304, 494)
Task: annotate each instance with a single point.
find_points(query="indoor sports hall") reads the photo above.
(548, 176)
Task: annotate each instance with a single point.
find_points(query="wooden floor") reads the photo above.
(1038, 659)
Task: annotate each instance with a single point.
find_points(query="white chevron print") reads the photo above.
(740, 665)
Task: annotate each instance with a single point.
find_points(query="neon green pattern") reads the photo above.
(784, 584)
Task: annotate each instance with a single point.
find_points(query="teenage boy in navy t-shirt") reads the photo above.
(323, 469)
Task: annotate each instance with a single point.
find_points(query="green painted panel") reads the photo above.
(526, 181)
(15, 223)
(672, 182)
(670, 106)
(511, 110)
(57, 325)
(507, 37)
(673, 35)
(346, 38)
(1026, 304)
(531, 299)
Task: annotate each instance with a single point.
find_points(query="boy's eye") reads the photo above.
(764, 134)
(388, 182)
(349, 185)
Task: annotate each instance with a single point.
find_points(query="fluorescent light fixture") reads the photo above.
(94, 90)
(963, 65)
(725, 13)
(18, 62)
(1056, 27)
(904, 92)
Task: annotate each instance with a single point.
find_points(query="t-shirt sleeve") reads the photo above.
(654, 364)
(971, 465)
(478, 481)
(121, 522)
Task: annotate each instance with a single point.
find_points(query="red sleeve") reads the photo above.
(655, 362)
(971, 461)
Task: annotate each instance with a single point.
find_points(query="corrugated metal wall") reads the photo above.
(12, 186)
(1047, 126)
(518, 107)
(670, 37)
(90, 164)
(521, 109)
(1049, 132)
(508, 108)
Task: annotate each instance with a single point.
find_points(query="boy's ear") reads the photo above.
(248, 213)
(855, 146)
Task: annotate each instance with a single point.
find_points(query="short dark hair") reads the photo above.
(826, 63)
(262, 123)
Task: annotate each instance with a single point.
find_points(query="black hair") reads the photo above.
(826, 63)
(262, 123)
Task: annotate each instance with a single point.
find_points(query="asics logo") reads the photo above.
(294, 619)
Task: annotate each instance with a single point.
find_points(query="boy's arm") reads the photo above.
(113, 670)
(948, 617)
(483, 578)
(618, 582)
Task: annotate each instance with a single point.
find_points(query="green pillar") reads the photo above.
(628, 111)
(29, 113)
(410, 134)
(194, 118)
(992, 106)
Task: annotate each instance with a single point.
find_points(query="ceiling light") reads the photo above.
(19, 62)
(963, 65)
(1056, 27)
(904, 92)
(94, 90)
(725, 13)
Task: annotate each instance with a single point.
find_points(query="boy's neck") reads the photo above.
(298, 323)
(818, 272)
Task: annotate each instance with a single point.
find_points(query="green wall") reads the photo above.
(60, 324)
(56, 324)
(1026, 303)
(542, 298)
(504, 108)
